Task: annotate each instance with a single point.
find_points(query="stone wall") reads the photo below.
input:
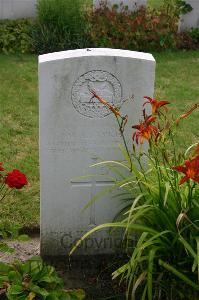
(132, 4)
(190, 20)
(15, 9)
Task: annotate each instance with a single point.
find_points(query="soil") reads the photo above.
(93, 274)
(22, 250)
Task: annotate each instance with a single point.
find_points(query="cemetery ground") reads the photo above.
(176, 81)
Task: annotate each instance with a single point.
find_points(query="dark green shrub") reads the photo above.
(144, 30)
(34, 280)
(15, 36)
(177, 7)
(66, 24)
(60, 26)
(147, 29)
(189, 39)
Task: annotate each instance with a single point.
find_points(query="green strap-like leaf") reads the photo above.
(188, 247)
(138, 282)
(150, 273)
(178, 274)
(197, 241)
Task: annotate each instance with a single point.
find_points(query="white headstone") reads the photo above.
(131, 4)
(191, 19)
(76, 131)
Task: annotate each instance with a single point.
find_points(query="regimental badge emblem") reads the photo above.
(105, 84)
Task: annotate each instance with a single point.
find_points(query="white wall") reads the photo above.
(14, 9)
(190, 20)
(132, 4)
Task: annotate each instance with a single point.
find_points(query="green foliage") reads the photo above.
(177, 7)
(194, 33)
(189, 39)
(144, 30)
(161, 218)
(4, 248)
(10, 231)
(183, 7)
(147, 29)
(180, 6)
(66, 24)
(34, 280)
(155, 3)
(60, 25)
(14, 36)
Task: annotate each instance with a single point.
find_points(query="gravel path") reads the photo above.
(22, 250)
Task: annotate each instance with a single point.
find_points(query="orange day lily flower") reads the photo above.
(145, 130)
(155, 104)
(190, 169)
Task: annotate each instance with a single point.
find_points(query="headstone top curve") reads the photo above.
(89, 52)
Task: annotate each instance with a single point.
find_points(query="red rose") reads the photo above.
(16, 179)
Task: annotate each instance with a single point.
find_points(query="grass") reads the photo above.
(19, 134)
(155, 3)
(176, 81)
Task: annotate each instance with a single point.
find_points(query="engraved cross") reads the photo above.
(93, 184)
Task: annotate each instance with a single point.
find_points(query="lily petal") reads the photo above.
(183, 180)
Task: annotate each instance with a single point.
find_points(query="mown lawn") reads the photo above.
(19, 134)
(176, 80)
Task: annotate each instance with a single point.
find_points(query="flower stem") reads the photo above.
(125, 144)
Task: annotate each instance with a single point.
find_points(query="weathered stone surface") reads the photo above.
(191, 19)
(132, 4)
(76, 131)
